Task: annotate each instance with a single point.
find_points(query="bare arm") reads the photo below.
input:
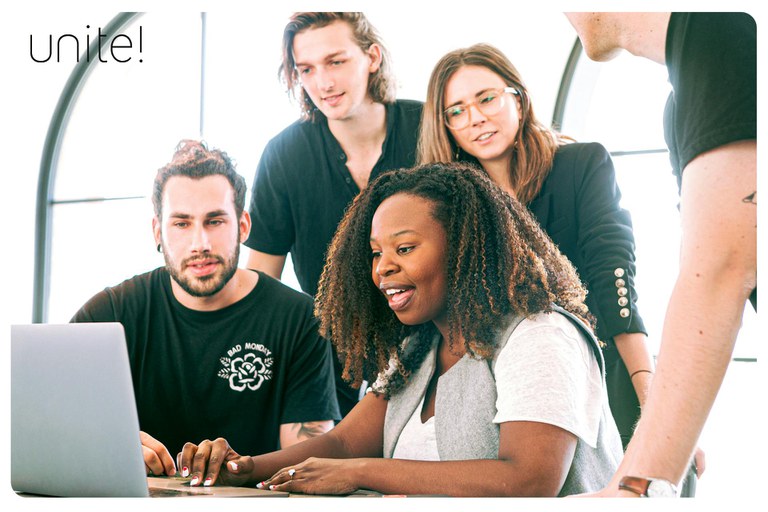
(359, 434)
(292, 433)
(269, 263)
(534, 459)
(718, 270)
(633, 349)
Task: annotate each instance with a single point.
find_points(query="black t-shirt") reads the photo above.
(712, 64)
(303, 187)
(238, 373)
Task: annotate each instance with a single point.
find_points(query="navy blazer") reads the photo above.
(578, 207)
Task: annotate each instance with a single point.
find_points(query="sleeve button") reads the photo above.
(623, 301)
(619, 272)
(622, 291)
(624, 312)
(620, 283)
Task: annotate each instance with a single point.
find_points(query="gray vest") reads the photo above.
(466, 405)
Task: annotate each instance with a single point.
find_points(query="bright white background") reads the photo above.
(245, 106)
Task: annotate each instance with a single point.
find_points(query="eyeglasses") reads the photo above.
(489, 103)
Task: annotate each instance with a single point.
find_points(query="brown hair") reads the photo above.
(381, 84)
(194, 160)
(499, 262)
(535, 143)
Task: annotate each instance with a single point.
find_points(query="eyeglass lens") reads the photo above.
(488, 103)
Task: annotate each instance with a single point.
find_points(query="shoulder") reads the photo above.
(111, 302)
(408, 110)
(550, 322)
(279, 296)
(286, 155)
(576, 152)
(140, 284)
(712, 33)
(582, 161)
(547, 337)
(409, 105)
(294, 137)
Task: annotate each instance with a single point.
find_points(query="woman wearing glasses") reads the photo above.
(478, 110)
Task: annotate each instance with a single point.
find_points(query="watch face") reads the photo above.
(661, 489)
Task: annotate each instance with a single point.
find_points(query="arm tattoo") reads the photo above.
(309, 429)
(751, 198)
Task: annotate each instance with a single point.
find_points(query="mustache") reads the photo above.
(194, 260)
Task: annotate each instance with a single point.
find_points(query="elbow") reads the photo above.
(540, 482)
(730, 271)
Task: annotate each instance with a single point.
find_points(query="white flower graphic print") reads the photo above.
(247, 367)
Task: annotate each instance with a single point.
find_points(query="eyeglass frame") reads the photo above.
(504, 90)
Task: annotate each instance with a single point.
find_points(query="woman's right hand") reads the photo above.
(213, 462)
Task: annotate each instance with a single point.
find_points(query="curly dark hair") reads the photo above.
(499, 263)
(193, 159)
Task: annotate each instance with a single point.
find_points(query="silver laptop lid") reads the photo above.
(74, 426)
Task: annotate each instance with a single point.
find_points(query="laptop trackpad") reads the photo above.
(163, 486)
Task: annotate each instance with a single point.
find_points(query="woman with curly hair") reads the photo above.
(478, 110)
(490, 380)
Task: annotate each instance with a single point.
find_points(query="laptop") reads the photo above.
(74, 425)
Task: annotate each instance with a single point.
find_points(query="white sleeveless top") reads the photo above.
(417, 441)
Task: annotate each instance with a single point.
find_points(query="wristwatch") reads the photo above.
(648, 487)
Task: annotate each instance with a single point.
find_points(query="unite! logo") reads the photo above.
(119, 47)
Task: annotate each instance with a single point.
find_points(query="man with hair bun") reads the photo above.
(215, 350)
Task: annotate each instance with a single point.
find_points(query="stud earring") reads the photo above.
(160, 248)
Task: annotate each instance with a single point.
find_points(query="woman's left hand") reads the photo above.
(316, 476)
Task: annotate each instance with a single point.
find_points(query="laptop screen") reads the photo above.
(74, 426)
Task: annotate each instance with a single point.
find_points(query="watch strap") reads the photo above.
(635, 484)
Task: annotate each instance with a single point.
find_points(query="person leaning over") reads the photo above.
(215, 350)
(490, 384)
(710, 125)
(351, 129)
(479, 110)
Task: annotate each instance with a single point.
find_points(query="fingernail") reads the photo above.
(233, 466)
(272, 487)
(185, 472)
(260, 485)
(194, 481)
(208, 482)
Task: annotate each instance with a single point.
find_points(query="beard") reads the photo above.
(204, 286)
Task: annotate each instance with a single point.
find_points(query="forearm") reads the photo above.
(268, 263)
(327, 445)
(699, 333)
(484, 477)
(633, 349)
(293, 433)
(357, 436)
